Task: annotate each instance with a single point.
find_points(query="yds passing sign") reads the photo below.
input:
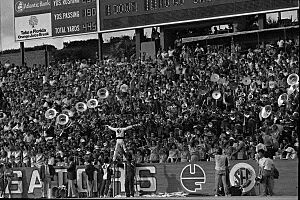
(54, 18)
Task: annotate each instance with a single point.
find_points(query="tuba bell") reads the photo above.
(51, 113)
(2, 115)
(81, 107)
(124, 88)
(283, 98)
(293, 79)
(266, 111)
(102, 93)
(62, 119)
(92, 103)
(216, 95)
(250, 96)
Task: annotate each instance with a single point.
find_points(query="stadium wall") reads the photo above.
(31, 58)
(193, 178)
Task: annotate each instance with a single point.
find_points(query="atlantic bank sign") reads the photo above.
(23, 7)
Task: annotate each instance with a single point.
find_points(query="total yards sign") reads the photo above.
(46, 18)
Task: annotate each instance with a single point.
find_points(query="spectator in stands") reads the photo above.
(178, 93)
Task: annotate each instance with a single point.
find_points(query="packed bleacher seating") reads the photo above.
(188, 101)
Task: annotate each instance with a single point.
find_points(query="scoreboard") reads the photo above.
(47, 18)
(35, 19)
(128, 14)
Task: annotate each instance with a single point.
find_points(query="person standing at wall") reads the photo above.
(71, 177)
(45, 179)
(2, 188)
(107, 172)
(266, 165)
(222, 163)
(89, 170)
(129, 175)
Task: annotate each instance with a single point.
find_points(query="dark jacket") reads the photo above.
(43, 174)
(89, 170)
(130, 169)
(71, 171)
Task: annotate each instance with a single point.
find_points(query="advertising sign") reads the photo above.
(65, 17)
(128, 14)
(192, 178)
(33, 26)
(27, 7)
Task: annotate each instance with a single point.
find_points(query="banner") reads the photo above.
(193, 178)
(27, 7)
(33, 26)
(57, 18)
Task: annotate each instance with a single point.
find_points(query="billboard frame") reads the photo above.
(197, 20)
(59, 36)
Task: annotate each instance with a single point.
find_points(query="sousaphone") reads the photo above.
(246, 81)
(250, 96)
(62, 119)
(124, 88)
(81, 107)
(103, 93)
(282, 99)
(2, 115)
(293, 79)
(216, 95)
(50, 113)
(214, 78)
(92, 103)
(266, 111)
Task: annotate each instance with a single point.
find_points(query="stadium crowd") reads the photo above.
(188, 102)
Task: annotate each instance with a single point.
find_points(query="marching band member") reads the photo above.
(120, 133)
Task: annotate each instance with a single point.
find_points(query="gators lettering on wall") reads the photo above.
(196, 178)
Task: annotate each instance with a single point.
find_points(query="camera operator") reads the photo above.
(266, 178)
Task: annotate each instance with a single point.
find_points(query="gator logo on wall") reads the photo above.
(192, 177)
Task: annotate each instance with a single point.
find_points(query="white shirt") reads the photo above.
(280, 43)
(119, 131)
(105, 168)
(266, 163)
(220, 162)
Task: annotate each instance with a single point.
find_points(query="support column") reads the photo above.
(22, 53)
(262, 21)
(46, 57)
(139, 33)
(100, 47)
(162, 37)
